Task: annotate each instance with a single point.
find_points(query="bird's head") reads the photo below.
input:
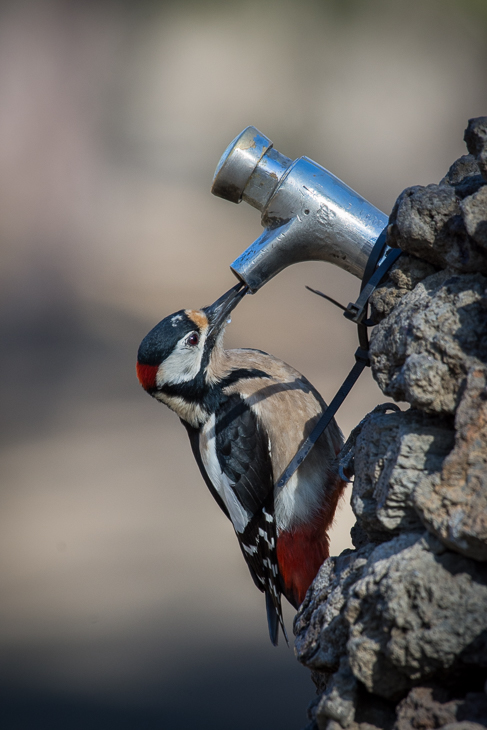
(174, 359)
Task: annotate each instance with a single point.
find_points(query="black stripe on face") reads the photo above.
(208, 396)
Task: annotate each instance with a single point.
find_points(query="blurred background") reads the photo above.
(124, 599)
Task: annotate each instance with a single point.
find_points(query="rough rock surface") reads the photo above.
(393, 453)
(429, 707)
(423, 351)
(429, 222)
(476, 140)
(403, 277)
(472, 211)
(395, 631)
(453, 504)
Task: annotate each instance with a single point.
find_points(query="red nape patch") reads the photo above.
(147, 375)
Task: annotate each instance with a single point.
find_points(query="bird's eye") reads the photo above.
(193, 339)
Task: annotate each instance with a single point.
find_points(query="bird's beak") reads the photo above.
(218, 312)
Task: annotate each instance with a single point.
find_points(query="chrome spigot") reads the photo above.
(308, 213)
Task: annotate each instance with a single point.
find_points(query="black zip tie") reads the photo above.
(325, 296)
(357, 312)
(362, 360)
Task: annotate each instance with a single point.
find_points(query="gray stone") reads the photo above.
(425, 708)
(394, 452)
(320, 628)
(476, 140)
(403, 614)
(453, 502)
(422, 352)
(393, 610)
(427, 222)
(474, 212)
(435, 707)
(402, 277)
(465, 168)
(339, 699)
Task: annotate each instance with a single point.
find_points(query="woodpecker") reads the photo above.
(246, 414)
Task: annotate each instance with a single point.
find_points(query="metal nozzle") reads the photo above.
(308, 213)
(249, 169)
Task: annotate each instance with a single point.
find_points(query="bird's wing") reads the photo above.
(258, 544)
(242, 448)
(235, 453)
(194, 439)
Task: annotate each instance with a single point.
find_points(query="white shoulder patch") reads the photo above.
(220, 481)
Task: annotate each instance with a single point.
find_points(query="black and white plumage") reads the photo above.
(246, 414)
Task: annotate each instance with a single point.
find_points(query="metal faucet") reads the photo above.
(308, 213)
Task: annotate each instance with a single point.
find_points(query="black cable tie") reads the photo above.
(361, 354)
(357, 312)
(325, 419)
(325, 296)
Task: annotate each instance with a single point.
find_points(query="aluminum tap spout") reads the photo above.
(308, 213)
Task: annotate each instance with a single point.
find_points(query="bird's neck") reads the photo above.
(219, 365)
(195, 400)
(189, 409)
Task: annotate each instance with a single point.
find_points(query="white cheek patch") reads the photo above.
(220, 481)
(183, 364)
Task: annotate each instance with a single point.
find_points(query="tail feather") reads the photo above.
(274, 619)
